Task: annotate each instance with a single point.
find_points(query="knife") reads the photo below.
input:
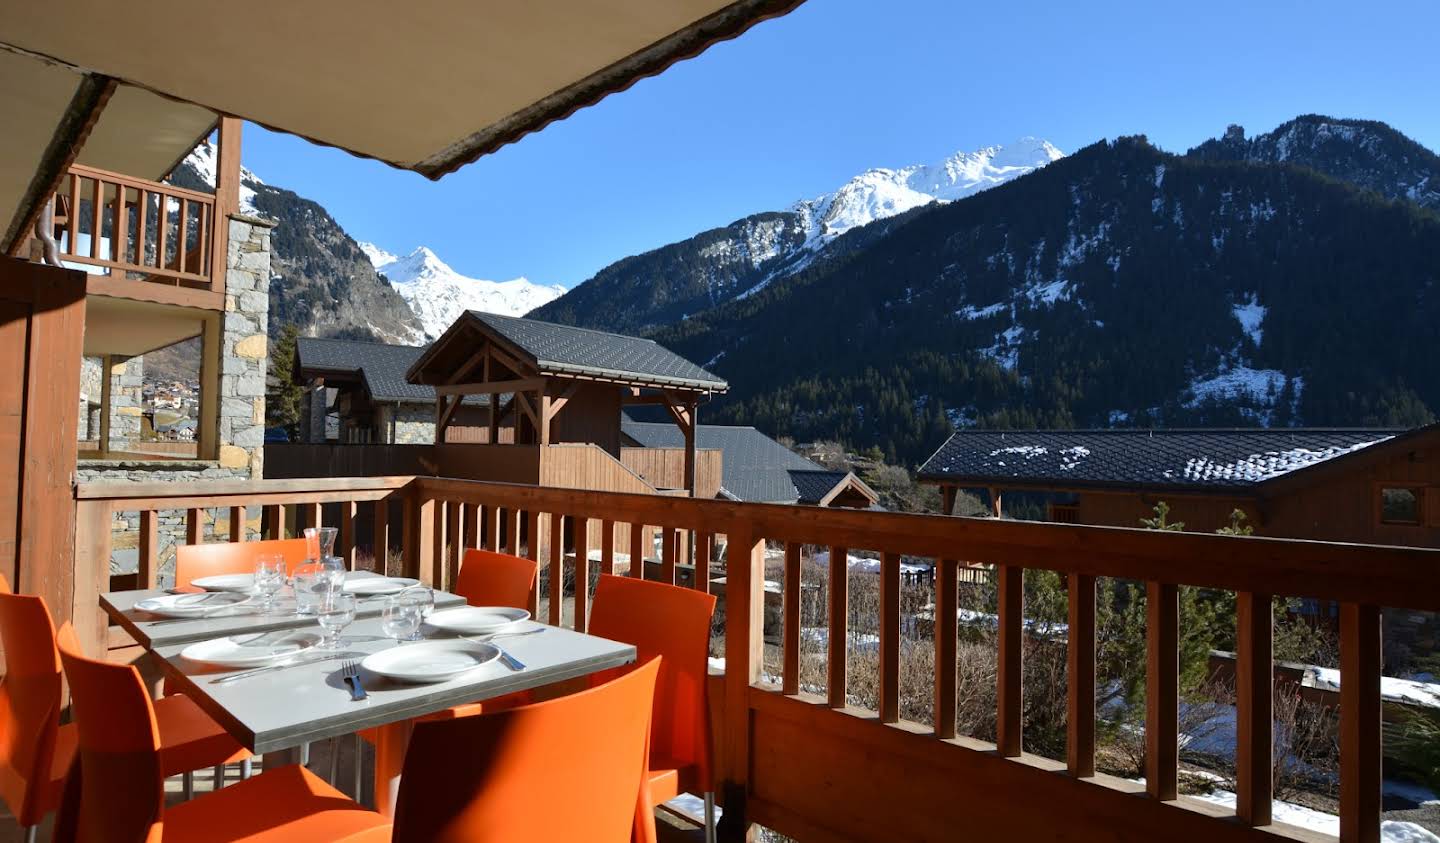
(231, 677)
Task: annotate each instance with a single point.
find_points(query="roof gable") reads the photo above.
(566, 351)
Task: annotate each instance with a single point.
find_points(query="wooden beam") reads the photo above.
(545, 416)
(446, 415)
(520, 385)
(150, 291)
(558, 402)
(86, 105)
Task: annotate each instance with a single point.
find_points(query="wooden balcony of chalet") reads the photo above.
(807, 761)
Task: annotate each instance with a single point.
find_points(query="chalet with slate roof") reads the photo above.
(1363, 485)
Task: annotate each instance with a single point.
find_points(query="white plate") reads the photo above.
(251, 649)
(430, 661)
(476, 620)
(239, 583)
(379, 585)
(189, 605)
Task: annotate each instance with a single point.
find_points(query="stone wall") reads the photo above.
(410, 424)
(127, 378)
(240, 405)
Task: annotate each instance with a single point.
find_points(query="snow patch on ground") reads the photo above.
(1251, 316)
(971, 312)
(1392, 689)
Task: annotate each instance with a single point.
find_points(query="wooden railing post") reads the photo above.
(380, 535)
(1009, 667)
(1360, 723)
(1162, 690)
(420, 536)
(1080, 671)
(744, 650)
(837, 636)
(790, 611)
(946, 606)
(890, 638)
(149, 561)
(346, 550)
(557, 568)
(582, 572)
(1254, 700)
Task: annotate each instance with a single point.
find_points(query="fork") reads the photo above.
(350, 672)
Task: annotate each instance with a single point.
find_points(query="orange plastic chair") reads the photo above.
(118, 792)
(673, 622)
(488, 578)
(35, 752)
(572, 768)
(193, 561)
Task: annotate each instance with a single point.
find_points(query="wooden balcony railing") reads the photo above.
(816, 767)
(132, 227)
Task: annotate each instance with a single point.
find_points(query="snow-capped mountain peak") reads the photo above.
(438, 294)
(879, 193)
(202, 158)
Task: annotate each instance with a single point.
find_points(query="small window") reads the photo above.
(1399, 505)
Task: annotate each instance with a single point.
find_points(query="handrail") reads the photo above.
(442, 516)
(154, 247)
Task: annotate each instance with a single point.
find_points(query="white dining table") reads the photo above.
(281, 709)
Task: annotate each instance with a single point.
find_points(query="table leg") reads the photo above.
(389, 761)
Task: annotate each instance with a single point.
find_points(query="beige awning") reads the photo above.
(427, 86)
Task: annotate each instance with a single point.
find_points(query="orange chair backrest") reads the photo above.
(193, 561)
(29, 705)
(121, 796)
(488, 578)
(572, 768)
(664, 620)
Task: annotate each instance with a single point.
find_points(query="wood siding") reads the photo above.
(592, 415)
(664, 468)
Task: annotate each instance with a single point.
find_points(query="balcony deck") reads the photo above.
(816, 767)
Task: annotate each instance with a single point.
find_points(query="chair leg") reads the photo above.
(219, 776)
(709, 816)
(245, 769)
(305, 754)
(187, 782)
(31, 834)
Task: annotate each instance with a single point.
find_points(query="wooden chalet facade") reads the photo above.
(1379, 486)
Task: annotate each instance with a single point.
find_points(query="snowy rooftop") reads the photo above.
(1176, 459)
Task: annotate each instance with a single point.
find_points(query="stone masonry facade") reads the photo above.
(244, 358)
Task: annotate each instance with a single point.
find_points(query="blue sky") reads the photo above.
(799, 104)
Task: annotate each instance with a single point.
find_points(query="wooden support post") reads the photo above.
(1009, 702)
(557, 569)
(493, 424)
(744, 648)
(227, 198)
(582, 573)
(790, 611)
(1080, 685)
(106, 398)
(638, 533)
(669, 548)
(1254, 700)
(1162, 689)
(890, 638)
(837, 636)
(380, 535)
(690, 430)
(543, 410)
(704, 552)
(439, 558)
(452, 543)
(420, 532)
(607, 547)
(207, 426)
(532, 552)
(346, 549)
(1360, 723)
(194, 526)
(946, 607)
(92, 575)
(237, 523)
(149, 549)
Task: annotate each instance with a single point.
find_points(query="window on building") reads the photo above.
(1399, 505)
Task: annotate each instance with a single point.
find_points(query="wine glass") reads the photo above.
(269, 579)
(420, 596)
(335, 612)
(400, 619)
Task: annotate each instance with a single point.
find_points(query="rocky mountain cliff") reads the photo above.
(320, 278)
(739, 260)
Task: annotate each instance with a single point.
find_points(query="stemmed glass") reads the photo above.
(335, 612)
(269, 579)
(400, 618)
